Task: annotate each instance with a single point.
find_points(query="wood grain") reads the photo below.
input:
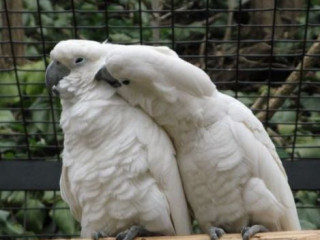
(292, 235)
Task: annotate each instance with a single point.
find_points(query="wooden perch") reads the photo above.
(291, 83)
(293, 235)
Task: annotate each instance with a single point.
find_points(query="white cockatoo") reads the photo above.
(232, 175)
(119, 168)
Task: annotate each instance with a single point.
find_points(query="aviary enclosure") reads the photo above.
(265, 53)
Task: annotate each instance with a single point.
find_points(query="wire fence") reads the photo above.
(265, 53)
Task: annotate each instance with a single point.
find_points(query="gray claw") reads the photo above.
(248, 232)
(135, 231)
(98, 235)
(121, 235)
(215, 233)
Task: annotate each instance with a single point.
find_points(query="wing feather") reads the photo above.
(261, 154)
(163, 167)
(67, 195)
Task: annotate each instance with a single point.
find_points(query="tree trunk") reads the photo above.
(265, 17)
(17, 35)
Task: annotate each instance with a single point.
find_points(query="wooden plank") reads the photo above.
(289, 235)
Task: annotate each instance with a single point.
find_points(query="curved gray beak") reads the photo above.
(104, 75)
(54, 73)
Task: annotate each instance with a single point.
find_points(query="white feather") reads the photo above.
(119, 167)
(231, 172)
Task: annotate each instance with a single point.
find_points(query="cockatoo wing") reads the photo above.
(67, 196)
(164, 50)
(261, 155)
(163, 167)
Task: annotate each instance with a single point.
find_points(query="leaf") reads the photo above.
(195, 227)
(310, 102)
(288, 116)
(4, 196)
(307, 197)
(282, 153)
(9, 155)
(7, 145)
(185, 33)
(229, 92)
(14, 228)
(309, 148)
(46, 5)
(121, 37)
(34, 215)
(8, 226)
(6, 116)
(286, 129)
(306, 225)
(89, 6)
(33, 77)
(8, 89)
(310, 214)
(63, 218)
(16, 198)
(245, 98)
(308, 209)
(41, 115)
(314, 117)
(50, 197)
(4, 216)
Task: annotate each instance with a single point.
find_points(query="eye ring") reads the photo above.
(79, 60)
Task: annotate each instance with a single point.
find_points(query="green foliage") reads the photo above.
(9, 89)
(33, 213)
(39, 212)
(62, 217)
(37, 105)
(9, 226)
(308, 209)
(45, 212)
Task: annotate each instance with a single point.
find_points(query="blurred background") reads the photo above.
(265, 53)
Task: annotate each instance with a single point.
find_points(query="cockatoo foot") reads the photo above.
(248, 232)
(135, 231)
(98, 235)
(215, 233)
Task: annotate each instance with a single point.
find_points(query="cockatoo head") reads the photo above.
(73, 67)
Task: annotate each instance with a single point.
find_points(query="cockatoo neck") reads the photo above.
(96, 91)
(81, 113)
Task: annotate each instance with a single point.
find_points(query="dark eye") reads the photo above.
(79, 60)
(126, 82)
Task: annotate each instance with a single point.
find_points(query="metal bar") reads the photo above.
(303, 175)
(22, 107)
(74, 20)
(37, 175)
(140, 23)
(29, 175)
(106, 19)
(274, 12)
(300, 81)
(238, 52)
(206, 37)
(56, 142)
(173, 44)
